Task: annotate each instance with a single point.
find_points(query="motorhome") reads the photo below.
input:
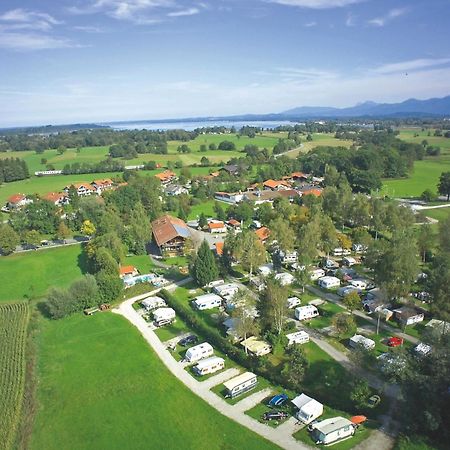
(240, 384)
(315, 274)
(329, 282)
(209, 365)
(292, 302)
(308, 409)
(359, 340)
(299, 337)
(199, 352)
(207, 301)
(306, 312)
(332, 430)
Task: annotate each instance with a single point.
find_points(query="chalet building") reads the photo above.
(102, 185)
(229, 197)
(317, 192)
(263, 234)
(166, 177)
(57, 198)
(170, 234)
(233, 169)
(17, 201)
(83, 189)
(273, 185)
(268, 196)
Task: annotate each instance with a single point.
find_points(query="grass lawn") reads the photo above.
(142, 262)
(319, 139)
(102, 387)
(207, 208)
(30, 274)
(178, 261)
(171, 331)
(438, 213)
(327, 312)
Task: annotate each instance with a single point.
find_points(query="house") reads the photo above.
(256, 347)
(299, 176)
(240, 384)
(102, 185)
(284, 278)
(328, 431)
(227, 290)
(306, 312)
(170, 234)
(328, 282)
(82, 189)
(233, 169)
(17, 201)
(199, 352)
(359, 340)
(57, 198)
(317, 192)
(273, 185)
(299, 337)
(174, 189)
(217, 227)
(408, 316)
(308, 409)
(235, 225)
(207, 301)
(209, 365)
(263, 234)
(128, 271)
(166, 177)
(154, 302)
(219, 248)
(229, 197)
(163, 316)
(268, 196)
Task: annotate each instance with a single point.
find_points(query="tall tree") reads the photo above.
(272, 306)
(245, 322)
(281, 234)
(204, 268)
(444, 184)
(9, 239)
(63, 231)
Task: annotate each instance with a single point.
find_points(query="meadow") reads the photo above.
(13, 332)
(319, 139)
(426, 173)
(101, 385)
(30, 274)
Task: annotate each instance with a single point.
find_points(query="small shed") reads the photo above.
(256, 347)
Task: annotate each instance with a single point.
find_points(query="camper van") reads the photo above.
(332, 430)
(227, 290)
(306, 312)
(360, 284)
(209, 365)
(308, 408)
(329, 282)
(150, 303)
(360, 340)
(207, 301)
(292, 302)
(299, 337)
(316, 274)
(240, 384)
(163, 316)
(199, 352)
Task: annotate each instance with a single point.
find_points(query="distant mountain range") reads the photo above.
(408, 108)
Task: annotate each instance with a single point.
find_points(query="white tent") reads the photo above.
(308, 408)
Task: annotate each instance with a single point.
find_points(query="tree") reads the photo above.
(272, 306)
(88, 228)
(140, 229)
(250, 252)
(294, 371)
(360, 393)
(63, 231)
(352, 301)
(202, 221)
(302, 278)
(84, 292)
(32, 237)
(9, 239)
(110, 286)
(344, 324)
(425, 241)
(281, 234)
(428, 195)
(219, 211)
(59, 303)
(245, 322)
(103, 261)
(444, 184)
(204, 268)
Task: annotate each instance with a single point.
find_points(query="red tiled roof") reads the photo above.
(124, 270)
(166, 175)
(104, 182)
(234, 223)
(262, 233)
(315, 192)
(299, 175)
(167, 228)
(215, 225)
(54, 196)
(274, 184)
(219, 248)
(16, 198)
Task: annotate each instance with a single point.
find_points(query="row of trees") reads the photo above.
(13, 169)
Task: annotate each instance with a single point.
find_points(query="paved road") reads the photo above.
(336, 299)
(52, 244)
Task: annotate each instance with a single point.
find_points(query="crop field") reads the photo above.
(13, 333)
(30, 274)
(319, 139)
(426, 173)
(102, 387)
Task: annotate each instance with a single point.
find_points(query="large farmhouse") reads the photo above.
(170, 234)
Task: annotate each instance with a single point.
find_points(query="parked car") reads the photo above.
(278, 400)
(373, 401)
(394, 341)
(423, 296)
(191, 339)
(275, 415)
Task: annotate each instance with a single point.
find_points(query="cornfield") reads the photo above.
(13, 333)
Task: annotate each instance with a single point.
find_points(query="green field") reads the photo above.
(438, 213)
(426, 173)
(30, 274)
(326, 139)
(13, 332)
(102, 387)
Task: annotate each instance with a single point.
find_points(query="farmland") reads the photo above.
(125, 393)
(13, 332)
(30, 274)
(426, 173)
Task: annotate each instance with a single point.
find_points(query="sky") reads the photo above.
(84, 61)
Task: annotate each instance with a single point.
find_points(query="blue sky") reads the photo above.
(100, 60)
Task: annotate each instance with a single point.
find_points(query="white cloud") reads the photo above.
(184, 12)
(32, 41)
(316, 4)
(310, 24)
(350, 21)
(412, 65)
(392, 14)
(89, 29)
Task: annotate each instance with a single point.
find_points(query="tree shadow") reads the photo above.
(83, 262)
